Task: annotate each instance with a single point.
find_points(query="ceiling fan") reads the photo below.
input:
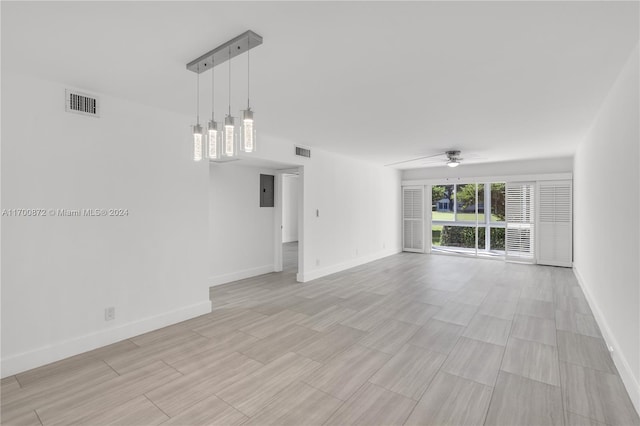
(452, 158)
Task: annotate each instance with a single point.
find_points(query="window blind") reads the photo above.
(413, 219)
(519, 206)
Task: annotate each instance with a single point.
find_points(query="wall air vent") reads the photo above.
(81, 103)
(303, 152)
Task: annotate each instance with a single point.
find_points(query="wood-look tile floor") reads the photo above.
(409, 339)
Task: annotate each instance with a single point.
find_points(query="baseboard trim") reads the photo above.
(240, 275)
(630, 382)
(318, 273)
(18, 363)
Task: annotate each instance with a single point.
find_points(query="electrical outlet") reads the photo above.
(109, 313)
(317, 262)
(384, 245)
(356, 252)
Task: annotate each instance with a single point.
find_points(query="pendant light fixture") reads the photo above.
(223, 143)
(229, 144)
(213, 134)
(248, 131)
(197, 129)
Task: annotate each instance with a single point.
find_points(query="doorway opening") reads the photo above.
(289, 229)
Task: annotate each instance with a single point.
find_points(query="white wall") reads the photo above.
(506, 168)
(241, 233)
(289, 208)
(607, 250)
(351, 213)
(60, 273)
(358, 203)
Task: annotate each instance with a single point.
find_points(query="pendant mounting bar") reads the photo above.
(221, 54)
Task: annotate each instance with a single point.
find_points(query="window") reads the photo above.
(468, 218)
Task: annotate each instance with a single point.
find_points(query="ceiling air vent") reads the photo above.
(303, 152)
(81, 103)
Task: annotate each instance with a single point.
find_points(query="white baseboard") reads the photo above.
(318, 273)
(240, 275)
(15, 364)
(630, 382)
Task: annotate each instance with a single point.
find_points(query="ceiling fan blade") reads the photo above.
(414, 159)
(472, 156)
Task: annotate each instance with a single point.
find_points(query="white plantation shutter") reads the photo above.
(519, 205)
(555, 245)
(413, 218)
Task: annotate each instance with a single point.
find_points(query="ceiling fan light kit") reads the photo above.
(454, 158)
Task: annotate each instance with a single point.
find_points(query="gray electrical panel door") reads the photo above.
(266, 190)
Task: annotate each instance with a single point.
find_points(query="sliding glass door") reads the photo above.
(468, 218)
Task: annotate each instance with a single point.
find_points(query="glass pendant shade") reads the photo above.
(213, 139)
(197, 142)
(247, 132)
(229, 139)
(453, 163)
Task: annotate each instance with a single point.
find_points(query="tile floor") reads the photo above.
(410, 339)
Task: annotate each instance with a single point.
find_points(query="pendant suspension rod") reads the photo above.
(213, 97)
(229, 80)
(248, 76)
(198, 99)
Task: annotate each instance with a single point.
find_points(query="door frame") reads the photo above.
(279, 191)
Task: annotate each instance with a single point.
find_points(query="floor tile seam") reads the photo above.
(38, 416)
(432, 350)
(111, 367)
(562, 385)
(534, 380)
(230, 405)
(370, 375)
(535, 341)
(410, 323)
(495, 316)
(191, 403)
(579, 333)
(440, 370)
(589, 417)
(483, 341)
(18, 380)
(237, 352)
(397, 393)
(156, 405)
(533, 316)
(344, 401)
(450, 322)
(616, 374)
(477, 306)
(163, 380)
(262, 363)
(575, 333)
(337, 354)
(493, 388)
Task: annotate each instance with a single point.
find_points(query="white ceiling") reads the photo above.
(384, 81)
